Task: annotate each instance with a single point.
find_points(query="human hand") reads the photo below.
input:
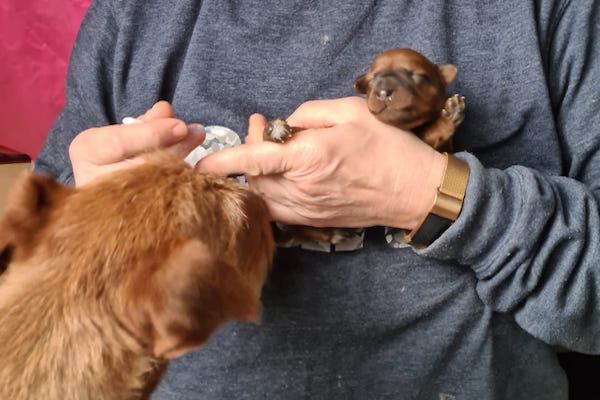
(97, 151)
(345, 169)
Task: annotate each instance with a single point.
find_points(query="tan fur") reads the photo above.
(104, 283)
(407, 90)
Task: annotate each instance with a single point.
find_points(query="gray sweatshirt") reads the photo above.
(474, 316)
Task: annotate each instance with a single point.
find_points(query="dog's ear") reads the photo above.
(31, 195)
(448, 73)
(361, 84)
(195, 292)
(28, 203)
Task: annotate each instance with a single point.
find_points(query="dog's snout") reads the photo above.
(384, 93)
(384, 85)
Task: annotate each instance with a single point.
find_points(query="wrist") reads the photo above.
(426, 187)
(446, 206)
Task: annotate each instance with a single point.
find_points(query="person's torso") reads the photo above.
(378, 322)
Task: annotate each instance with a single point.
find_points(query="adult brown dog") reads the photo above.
(102, 284)
(404, 89)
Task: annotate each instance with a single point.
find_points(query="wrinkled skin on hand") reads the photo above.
(344, 168)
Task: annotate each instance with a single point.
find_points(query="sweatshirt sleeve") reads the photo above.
(88, 90)
(533, 240)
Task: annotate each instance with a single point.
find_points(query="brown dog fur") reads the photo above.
(407, 90)
(101, 285)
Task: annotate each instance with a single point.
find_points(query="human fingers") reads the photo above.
(256, 126)
(194, 139)
(327, 113)
(160, 109)
(254, 159)
(113, 143)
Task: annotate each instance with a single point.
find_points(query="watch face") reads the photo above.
(432, 228)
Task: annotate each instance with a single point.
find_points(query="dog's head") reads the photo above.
(404, 88)
(170, 254)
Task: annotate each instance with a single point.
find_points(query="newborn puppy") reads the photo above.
(101, 285)
(404, 89)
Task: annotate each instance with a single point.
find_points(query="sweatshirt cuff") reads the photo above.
(473, 233)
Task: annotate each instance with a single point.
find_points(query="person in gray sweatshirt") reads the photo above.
(475, 314)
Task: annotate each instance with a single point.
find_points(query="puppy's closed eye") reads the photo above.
(418, 78)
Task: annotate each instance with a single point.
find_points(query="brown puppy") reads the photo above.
(101, 285)
(404, 89)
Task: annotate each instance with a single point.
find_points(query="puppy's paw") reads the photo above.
(340, 235)
(454, 110)
(277, 130)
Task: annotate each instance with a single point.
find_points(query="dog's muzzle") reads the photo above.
(383, 86)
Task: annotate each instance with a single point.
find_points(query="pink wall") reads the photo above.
(36, 37)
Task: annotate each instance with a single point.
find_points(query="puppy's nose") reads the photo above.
(384, 93)
(384, 86)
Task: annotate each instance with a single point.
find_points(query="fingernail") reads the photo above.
(196, 129)
(131, 120)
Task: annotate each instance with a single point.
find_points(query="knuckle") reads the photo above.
(310, 104)
(356, 103)
(314, 199)
(117, 142)
(307, 107)
(74, 146)
(355, 108)
(253, 166)
(154, 132)
(78, 143)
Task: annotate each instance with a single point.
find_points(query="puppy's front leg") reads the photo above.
(278, 130)
(439, 132)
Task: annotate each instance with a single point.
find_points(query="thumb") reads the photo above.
(160, 109)
(326, 113)
(256, 127)
(254, 159)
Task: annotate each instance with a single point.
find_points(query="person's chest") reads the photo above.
(239, 59)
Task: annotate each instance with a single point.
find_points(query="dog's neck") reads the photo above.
(32, 317)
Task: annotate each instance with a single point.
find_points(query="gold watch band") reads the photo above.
(446, 206)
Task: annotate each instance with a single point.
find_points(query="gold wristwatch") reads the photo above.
(446, 206)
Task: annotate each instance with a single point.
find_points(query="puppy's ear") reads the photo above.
(196, 292)
(28, 203)
(361, 84)
(448, 73)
